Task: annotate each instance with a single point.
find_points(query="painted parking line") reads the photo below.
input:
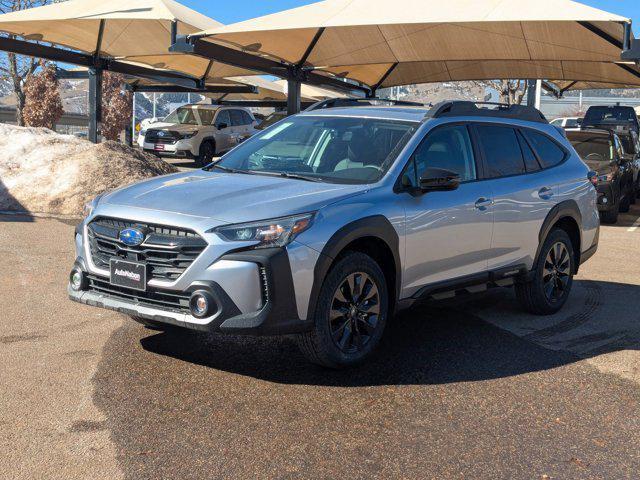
(635, 226)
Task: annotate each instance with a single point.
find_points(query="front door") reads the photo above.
(224, 133)
(448, 234)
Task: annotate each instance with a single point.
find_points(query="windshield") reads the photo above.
(330, 149)
(592, 146)
(183, 116)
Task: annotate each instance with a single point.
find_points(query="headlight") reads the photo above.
(187, 135)
(278, 232)
(89, 207)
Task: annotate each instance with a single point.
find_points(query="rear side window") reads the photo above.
(236, 118)
(502, 151)
(549, 153)
(246, 118)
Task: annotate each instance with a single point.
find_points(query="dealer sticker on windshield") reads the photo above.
(128, 274)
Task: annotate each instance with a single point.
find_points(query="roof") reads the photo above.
(387, 43)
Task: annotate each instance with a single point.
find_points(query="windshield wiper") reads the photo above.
(230, 170)
(294, 176)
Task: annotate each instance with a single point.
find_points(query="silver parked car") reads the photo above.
(198, 131)
(327, 223)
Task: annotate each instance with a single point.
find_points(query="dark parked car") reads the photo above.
(631, 146)
(602, 151)
(611, 117)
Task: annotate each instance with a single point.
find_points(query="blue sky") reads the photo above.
(230, 11)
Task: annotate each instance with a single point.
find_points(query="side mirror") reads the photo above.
(580, 120)
(222, 126)
(439, 180)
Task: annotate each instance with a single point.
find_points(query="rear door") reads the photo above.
(524, 193)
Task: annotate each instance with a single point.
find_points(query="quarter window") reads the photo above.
(501, 150)
(530, 160)
(549, 153)
(448, 148)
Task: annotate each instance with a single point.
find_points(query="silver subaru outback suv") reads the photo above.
(327, 223)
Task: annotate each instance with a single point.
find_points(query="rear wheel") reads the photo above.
(552, 280)
(350, 316)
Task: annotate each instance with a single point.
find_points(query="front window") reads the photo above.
(330, 149)
(182, 116)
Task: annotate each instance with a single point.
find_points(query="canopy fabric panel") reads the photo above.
(136, 31)
(366, 38)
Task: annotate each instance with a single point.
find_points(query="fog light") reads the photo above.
(77, 279)
(605, 201)
(202, 305)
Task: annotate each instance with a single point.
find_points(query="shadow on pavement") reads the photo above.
(429, 345)
(440, 343)
(10, 204)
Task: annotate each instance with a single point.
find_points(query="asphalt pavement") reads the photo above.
(476, 389)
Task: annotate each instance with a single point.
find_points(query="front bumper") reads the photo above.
(270, 268)
(179, 149)
(606, 197)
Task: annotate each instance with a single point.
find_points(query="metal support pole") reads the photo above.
(95, 104)
(155, 98)
(538, 94)
(294, 93)
(532, 92)
(133, 116)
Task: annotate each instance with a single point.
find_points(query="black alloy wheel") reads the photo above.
(557, 271)
(355, 311)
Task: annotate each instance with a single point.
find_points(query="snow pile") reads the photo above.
(44, 172)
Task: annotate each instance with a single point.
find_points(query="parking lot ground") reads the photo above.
(469, 390)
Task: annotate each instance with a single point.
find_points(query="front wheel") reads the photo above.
(207, 152)
(548, 290)
(350, 315)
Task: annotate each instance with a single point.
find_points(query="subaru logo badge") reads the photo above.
(131, 237)
(161, 133)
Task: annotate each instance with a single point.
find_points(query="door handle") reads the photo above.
(545, 193)
(483, 203)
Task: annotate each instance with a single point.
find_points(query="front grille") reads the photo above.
(167, 136)
(152, 298)
(167, 251)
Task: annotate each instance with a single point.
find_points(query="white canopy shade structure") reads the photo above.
(381, 43)
(131, 31)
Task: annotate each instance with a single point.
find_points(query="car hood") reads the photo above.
(229, 197)
(174, 127)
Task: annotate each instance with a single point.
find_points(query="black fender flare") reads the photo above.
(567, 208)
(377, 226)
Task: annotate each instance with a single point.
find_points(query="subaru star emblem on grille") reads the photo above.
(131, 236)
(161, 134)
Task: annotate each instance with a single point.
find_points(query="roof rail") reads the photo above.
(472, 109)
(359, 102)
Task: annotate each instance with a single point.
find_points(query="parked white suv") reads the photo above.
(198, 131)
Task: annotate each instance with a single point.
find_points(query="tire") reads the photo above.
(207, 152)
(157, 326)
(609, 217)
(625, 203)
(347, 332)
(535, 295)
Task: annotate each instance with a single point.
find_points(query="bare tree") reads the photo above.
(116, 105)
(43, 106)
(16, 69)
(512, 92)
